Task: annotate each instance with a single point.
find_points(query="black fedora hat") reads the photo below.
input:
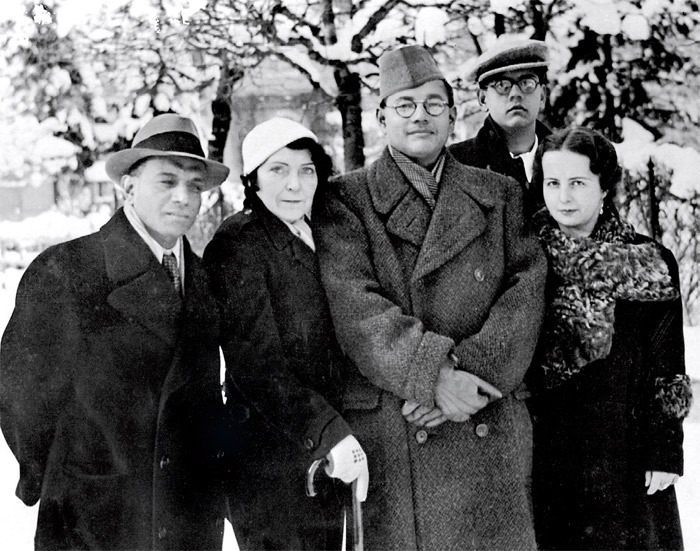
(168, 135)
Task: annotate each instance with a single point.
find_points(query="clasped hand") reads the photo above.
(458, 396)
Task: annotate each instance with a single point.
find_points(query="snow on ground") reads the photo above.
(18, 522)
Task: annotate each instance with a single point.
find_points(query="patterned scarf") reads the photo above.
(426, 182)
(590, 274)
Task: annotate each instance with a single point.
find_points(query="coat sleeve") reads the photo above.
(35, 369)
(668, 393)
(254, 353)
(391, 349)
(503, 348)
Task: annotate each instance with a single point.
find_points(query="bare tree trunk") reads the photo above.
(221, 108)
(654, 225)
(538, 20)
(349, 102)
(607, 120)
(499, 24)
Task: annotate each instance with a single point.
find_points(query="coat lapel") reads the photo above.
(458, 219)
(409, 215)
(141, 288)
(200, 322)
(284, 240)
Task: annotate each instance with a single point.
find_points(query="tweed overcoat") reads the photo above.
(282, 356)
(597, 434)
(489, 150)
(406, 287)
(110, 395)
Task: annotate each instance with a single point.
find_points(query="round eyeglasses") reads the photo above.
(503, 85)
(405, 108)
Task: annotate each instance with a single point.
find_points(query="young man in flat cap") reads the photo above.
(512, 78)
(109, 367)
(436, 293)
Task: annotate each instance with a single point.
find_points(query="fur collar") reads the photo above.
(588, 276)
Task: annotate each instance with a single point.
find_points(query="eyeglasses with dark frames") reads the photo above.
(503, 85)
(406, 107)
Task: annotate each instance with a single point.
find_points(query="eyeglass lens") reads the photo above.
(526, 85)
(406, 108)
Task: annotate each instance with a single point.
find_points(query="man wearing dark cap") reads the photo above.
(109, 366)
(436, 293)
(512, 78)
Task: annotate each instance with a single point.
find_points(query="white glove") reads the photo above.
(347, 461)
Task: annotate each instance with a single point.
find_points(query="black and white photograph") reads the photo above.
(358, 275)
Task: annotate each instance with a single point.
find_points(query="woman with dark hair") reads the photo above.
(280, 348)
(611, 389)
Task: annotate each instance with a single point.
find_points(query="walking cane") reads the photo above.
(357, 532)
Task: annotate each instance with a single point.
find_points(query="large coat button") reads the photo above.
(482, 429)
(421, 437)
(479, 274)
(162, 532)
(309, 444)
(164, 461)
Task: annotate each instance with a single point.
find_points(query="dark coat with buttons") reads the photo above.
(489, 150)
(407, 286)
(282, 356)
(109, 397)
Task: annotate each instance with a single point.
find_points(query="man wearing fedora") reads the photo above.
(512, 80)
(436, 293)
(109, 366)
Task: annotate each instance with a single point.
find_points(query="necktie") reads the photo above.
(170, 263)
(520, 173)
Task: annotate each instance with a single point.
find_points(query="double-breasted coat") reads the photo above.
(599, 432)
(282, 357)
(110, 397)
(406, 287)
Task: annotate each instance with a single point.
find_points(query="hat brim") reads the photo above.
(514, 67)
(121, 161)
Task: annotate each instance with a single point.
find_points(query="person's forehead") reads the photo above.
(186, 164)
(430, 88)
(286, 154)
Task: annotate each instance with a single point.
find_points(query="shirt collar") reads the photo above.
(528, 159)
(157, 249)
(303, 231)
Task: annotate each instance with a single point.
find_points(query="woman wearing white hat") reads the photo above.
(280, 347)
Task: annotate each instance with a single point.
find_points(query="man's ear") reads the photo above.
(481, 98)
(127, 184)
(381, 118)
(543, 97)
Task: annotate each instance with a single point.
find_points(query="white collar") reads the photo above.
(528, 159)
(157, 249)
(302, 230)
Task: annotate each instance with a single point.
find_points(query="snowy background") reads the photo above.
(72, 88)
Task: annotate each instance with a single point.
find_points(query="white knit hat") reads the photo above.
(269, 137)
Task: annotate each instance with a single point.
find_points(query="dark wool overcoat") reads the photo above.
(489, 150)
(109, 385)
(406, 286)
(597, 434)
(282, 356)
